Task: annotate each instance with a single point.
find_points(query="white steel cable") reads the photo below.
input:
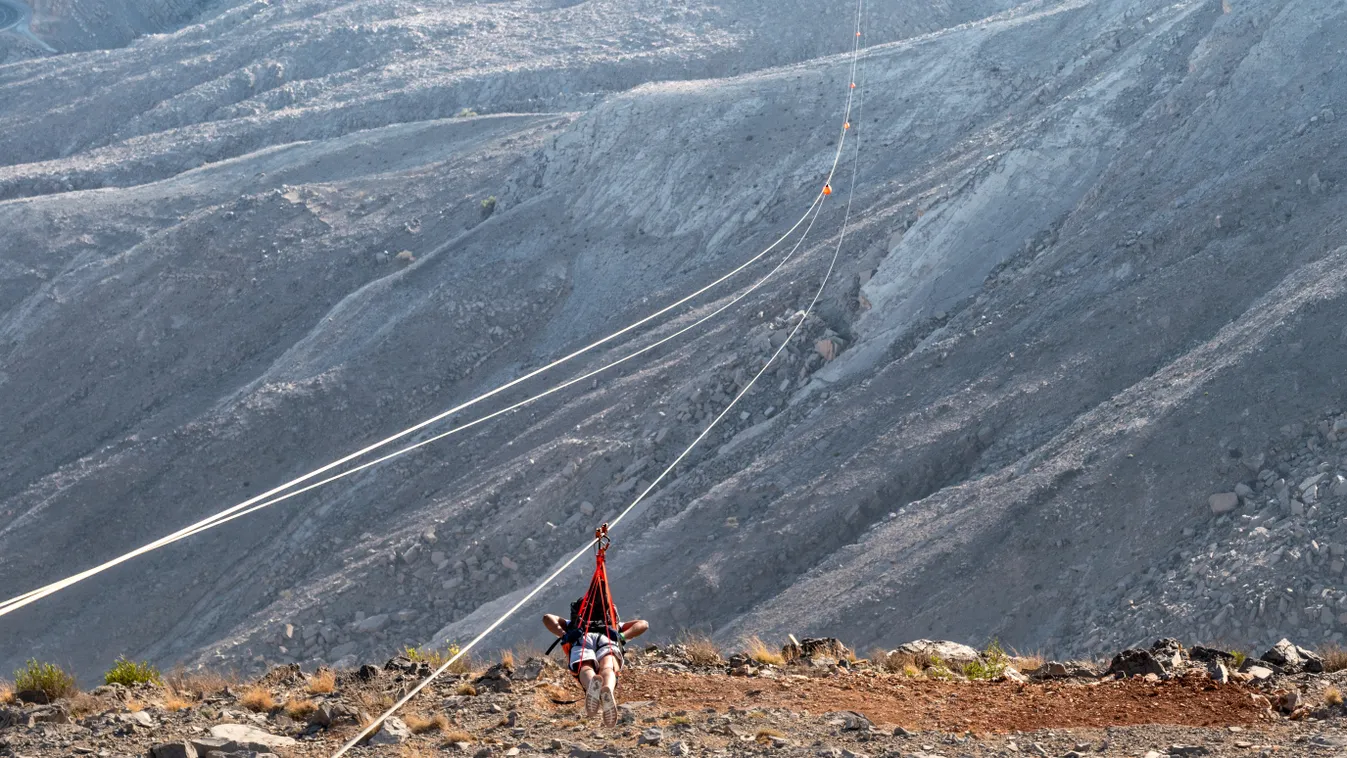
(511, 408)
(369, 729)
(34, 595)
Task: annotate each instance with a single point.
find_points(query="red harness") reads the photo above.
(597, 604)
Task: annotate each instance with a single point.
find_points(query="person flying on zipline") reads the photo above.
(593, 637)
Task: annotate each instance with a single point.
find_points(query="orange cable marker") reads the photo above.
(827, 189)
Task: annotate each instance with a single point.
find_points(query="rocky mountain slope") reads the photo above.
(1094, 270)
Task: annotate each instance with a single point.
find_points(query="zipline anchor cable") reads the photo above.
(36, 594)
(377, 723)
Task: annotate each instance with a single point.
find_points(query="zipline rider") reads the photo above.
(593, 637)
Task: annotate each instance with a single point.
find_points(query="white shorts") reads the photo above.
(594, 648)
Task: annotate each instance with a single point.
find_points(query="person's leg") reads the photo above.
(585, 675)
(607, 674)
(608, 668)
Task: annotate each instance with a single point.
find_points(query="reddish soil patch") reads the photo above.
(954, 706)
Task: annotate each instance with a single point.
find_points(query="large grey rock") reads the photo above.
(331, 713)
(651, 736)
(1223, 502)
(392, 732)
(1291, 657)
(949, 652)
(1059, 670)
(371, 624)
(1135, 662)
(341, 651)
(241, 737)
(173, 750)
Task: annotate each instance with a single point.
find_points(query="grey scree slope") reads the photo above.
(1097, 257)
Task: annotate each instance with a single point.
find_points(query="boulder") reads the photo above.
(178, 749)
(1169, 652)
(1059, 670)
(1223, 502)
(36, 697)
(47, 714)
(371, 624)
(949, 652)
(330, 714)
(495, 679)
(1292, 658)
(247, 738)
(1218, 672)
(652, 736)
(530, 671)
(392, 732)
(1135, 662)
(1210, 654)
(342, 650)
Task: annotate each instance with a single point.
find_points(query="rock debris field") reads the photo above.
(685, 699)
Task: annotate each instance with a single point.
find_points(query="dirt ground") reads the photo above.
(950, 706)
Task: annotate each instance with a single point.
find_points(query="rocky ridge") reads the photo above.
(684, 700)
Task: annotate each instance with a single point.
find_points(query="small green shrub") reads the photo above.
(126, 673)
(488, 206)
(993, 664)
(436, 658)
(467, 113)
(1240, 658)
(54, 681)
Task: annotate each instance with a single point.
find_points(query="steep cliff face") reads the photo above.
(1080, 231)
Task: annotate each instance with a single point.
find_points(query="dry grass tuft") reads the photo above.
(765, 736)
(421, 724)
(701, 650)
(323, 682)
(466, 688)
(257, 699)
(200, 685)
(1335, 658)
(758, 651)
(83, 704)
(1027, 661)
(6, 693)
(133, 705)
(301, 709)
(507, 658)
(1333, 696)
(175, 702)
(371, 701)
(907, 664)
(458, 736)
(414, 751)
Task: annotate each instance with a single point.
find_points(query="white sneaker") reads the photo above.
(608, 702)
(593, 696)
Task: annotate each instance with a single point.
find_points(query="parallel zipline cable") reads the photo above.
(804, 316)
(257, 502)
(815, 209)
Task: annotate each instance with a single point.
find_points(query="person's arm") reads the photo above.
(634, 628)
(555, 624)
